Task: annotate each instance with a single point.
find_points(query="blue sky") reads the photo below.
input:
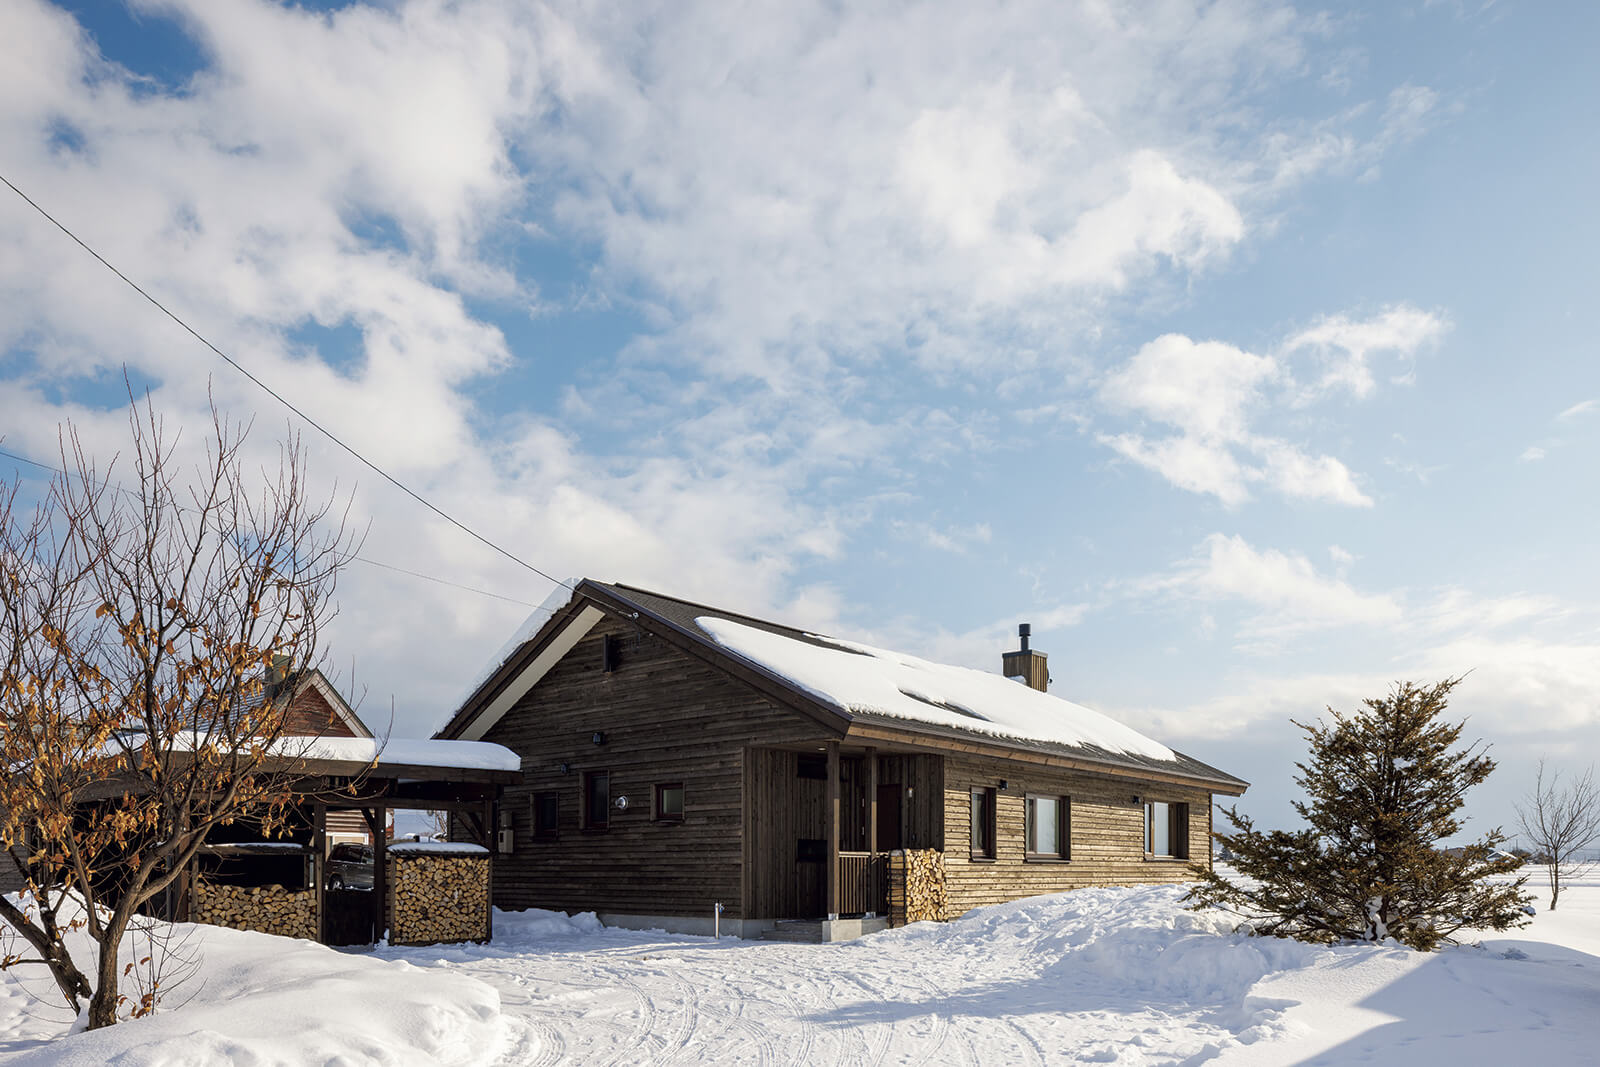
(1243, 349)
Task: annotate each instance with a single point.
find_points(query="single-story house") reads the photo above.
(685, 766)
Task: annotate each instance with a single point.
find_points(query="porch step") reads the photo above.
(801, 931)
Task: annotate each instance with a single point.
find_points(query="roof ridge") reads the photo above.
(712, 609)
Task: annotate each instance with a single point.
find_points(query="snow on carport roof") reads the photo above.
(860, 678)
(407, 752)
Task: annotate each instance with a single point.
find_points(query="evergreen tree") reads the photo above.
(1383, 788)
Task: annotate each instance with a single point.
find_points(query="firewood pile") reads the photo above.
(916, 887)
(267, 909)
(434, 898)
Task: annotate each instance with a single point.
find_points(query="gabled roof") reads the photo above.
(848, 689)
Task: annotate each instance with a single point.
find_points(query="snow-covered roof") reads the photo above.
(842, 682)
(438, 848)
(860, 678)
(409, 752)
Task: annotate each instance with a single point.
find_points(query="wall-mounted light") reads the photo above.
(599, 737)
(1136, 798)
(621, 803)
(566, 767)
(911, 791)
(1003, 784)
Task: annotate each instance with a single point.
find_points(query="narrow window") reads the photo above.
(1166, 830)
(983, 824)
(596, 800)
(546, 815)
(669, 802)
(1047, 827)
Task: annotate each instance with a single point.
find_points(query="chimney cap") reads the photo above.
(1024, 631)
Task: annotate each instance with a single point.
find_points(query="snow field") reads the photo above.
(1122, 976)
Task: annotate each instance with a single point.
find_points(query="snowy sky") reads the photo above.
(1240, 349)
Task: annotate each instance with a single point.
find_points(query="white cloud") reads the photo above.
(1345, 346)
(1210, 392)
(1284, 591)
(796, 213)
(1583, 407)
(1532, 454)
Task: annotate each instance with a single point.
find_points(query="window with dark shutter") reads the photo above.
(596, 800)
(546, 815)
(983, 824)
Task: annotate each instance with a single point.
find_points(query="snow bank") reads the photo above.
(260, 1000)
(522, 928)
(863, 678)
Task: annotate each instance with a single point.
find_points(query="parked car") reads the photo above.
(349, 867)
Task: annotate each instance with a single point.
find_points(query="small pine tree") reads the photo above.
(1383, 788)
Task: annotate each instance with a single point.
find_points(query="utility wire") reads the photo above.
(359, 559)
(385, 475)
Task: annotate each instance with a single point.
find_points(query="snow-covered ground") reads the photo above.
(1101, 976)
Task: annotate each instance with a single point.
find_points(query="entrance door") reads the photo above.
(889, 818)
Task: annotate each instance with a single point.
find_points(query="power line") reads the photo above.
(358, 559)
(385, 475)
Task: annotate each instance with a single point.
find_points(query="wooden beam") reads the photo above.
(833, 830)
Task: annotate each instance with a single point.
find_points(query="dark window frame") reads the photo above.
(539, 829)
(1063, 849)
(1177, 830)
(658, 809)
(983, 849)
(585, 809)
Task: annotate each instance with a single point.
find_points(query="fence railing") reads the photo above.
(863, 883)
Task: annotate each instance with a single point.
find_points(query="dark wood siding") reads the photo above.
(666, 716)
(783, 808)
(1107, 832)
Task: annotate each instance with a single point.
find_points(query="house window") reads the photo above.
(596, 800)
(546, 815)
(1166, 830)
(1047, 827)
(669, 802)
(983, 824)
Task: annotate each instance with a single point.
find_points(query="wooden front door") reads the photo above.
(889, 818)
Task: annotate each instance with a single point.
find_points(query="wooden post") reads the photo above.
(872, 831)
(319, 844)
(872, 801)
(377, 825)
(833, 830)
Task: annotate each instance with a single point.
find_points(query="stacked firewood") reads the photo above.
(268, 909)
(434, 898)
(916, 886)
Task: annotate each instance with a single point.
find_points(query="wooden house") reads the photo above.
(677, 758)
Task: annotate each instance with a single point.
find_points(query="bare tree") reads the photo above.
(137, 628)
(1561, 821)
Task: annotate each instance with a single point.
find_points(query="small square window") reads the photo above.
(596, 800)
(983, 824)
(669, 802)
(546, 815)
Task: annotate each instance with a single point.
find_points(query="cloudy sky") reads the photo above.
(1244, 350)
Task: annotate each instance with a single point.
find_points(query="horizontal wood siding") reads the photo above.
(667, 717)
(1107, 833)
